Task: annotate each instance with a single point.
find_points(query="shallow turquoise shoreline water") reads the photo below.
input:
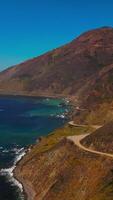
(22, 121)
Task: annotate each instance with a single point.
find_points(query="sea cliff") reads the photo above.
(56, 169)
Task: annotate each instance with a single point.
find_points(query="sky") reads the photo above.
(29, 28)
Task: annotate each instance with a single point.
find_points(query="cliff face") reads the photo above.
(63, 171)
(82, 67)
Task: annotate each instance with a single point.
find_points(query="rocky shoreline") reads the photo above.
(63, 171)
(28, 192)
(28, 189)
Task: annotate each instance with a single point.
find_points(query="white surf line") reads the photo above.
(9, 171)
(77, 141)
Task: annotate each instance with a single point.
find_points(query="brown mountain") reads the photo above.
(55, 168)
(82, 67)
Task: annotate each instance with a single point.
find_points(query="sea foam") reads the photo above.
(8, 172)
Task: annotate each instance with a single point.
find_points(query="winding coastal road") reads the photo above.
(71, 123)
(78, 138)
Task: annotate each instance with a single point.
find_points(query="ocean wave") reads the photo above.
(5, 151)
(8, 172)
(15, 150)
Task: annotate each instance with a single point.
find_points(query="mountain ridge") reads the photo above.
(64, 70)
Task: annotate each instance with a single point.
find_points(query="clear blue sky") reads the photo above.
(31, 27)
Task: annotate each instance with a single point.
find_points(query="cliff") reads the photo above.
(57, 169)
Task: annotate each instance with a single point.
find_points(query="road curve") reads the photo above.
(71, 123)
(77, 141)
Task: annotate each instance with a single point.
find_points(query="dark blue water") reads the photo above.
(22, 121)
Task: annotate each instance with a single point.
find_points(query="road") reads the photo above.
(71, 123)
(77, 141)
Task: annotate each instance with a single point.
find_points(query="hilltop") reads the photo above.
(82, 69)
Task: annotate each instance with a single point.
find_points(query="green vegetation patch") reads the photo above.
(53, 138)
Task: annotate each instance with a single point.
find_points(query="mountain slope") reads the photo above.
(101, 139)
(61, 170)
(69, 70)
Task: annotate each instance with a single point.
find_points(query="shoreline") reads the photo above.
(27, 192)
(69, 98)
(57, 96)
(9, 172)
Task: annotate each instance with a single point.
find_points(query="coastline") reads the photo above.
(69, 98)
(25, 188)
(28, 192)
(10, 172)
(30, 95)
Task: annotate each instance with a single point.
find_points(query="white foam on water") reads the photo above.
(9, 171)
(61, 116)
(5, 151)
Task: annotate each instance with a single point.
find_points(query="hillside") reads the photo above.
(101, 139)
(82, 69)
(57, 169)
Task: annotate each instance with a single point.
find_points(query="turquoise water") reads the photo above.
(22, 121)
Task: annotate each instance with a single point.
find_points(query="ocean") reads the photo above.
(22, 121)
